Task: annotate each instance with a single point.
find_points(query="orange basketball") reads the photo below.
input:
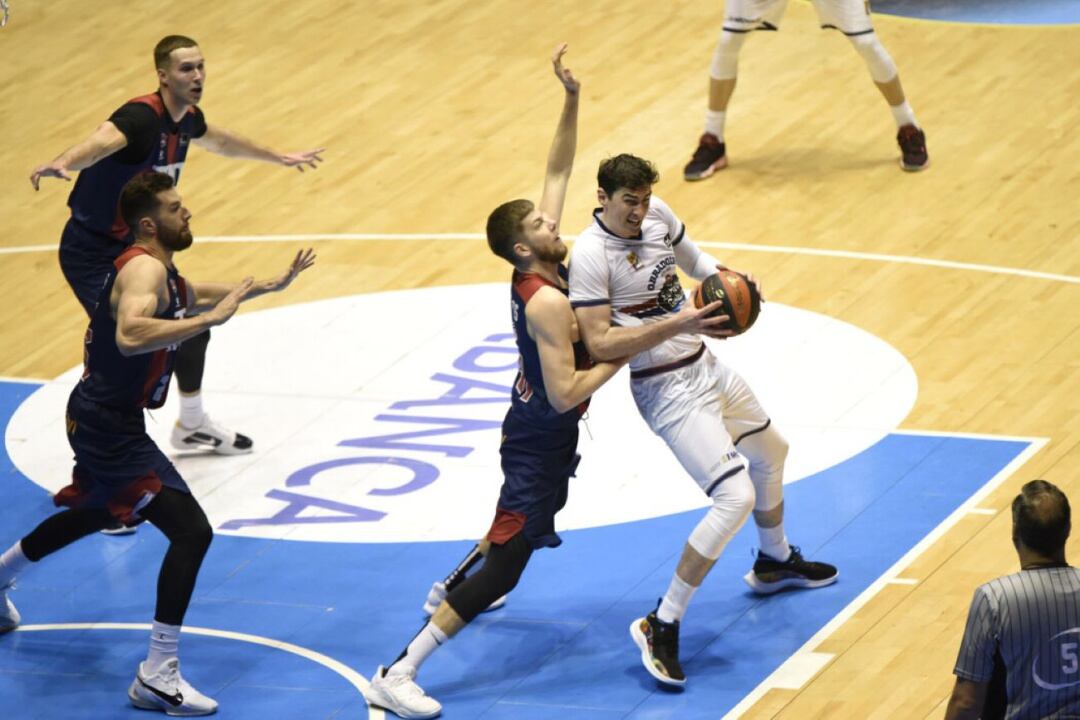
(740, 298)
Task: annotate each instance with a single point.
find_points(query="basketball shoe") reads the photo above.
(166, 690)
(210, 436)
(400, 694)
(9, 616)
(709, 157)
(913, 154)
(659, 644)
(770, 575)
(437, 594)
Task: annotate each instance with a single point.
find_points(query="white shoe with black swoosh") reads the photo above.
(167, 691)
(210, 436)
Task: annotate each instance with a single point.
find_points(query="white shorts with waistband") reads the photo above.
(700, 411)
(851, 17)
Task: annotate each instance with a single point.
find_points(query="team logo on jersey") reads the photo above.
(184, 139)
(671, 294)
(634, 260)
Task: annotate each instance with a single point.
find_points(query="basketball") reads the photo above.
(742, 303)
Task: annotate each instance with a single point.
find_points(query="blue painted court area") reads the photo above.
(1005, 12)
(559, 648)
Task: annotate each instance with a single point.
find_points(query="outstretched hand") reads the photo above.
(565, 76)
(53, 169)
(228, 305)
(303, 260)
(299, 159)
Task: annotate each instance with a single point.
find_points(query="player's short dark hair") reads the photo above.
(166, 45)
(626, 171)
(1041, 517)
(504, 228)
(139, 197)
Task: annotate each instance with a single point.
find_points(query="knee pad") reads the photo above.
(725, 60)
(732, 502)
(499, 575)
(766, 452)
(876, 57)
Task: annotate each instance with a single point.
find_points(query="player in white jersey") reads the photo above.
(627, 296)
(852, 18)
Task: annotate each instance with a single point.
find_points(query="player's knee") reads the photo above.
(732, 501)
(196, 535)
(877, 58)
(506, 563)
(725, 60)
(738, 497)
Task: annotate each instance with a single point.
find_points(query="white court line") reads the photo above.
(848, 254)
(810, 646)
(357, 680)
(983, 511)
(24, 381)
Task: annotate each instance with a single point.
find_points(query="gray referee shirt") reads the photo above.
(1032, 621)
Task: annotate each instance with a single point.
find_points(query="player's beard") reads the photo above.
(176, 240)
(554, 254)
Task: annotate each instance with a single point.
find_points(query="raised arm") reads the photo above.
(102, 143)
(209, 294)
(139, 294)
(561, 156)
(230, 144)
(552, 321)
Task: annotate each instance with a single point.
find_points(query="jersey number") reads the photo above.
(1071, 658)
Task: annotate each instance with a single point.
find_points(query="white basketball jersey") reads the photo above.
(636, 277)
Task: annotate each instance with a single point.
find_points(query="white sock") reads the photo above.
(903, 114)
(678, 595)
(774, 542)
(425, 642)
(714, 123)
(12, 562)
(191, 410)
(164, 641)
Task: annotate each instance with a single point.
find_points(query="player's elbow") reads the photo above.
(126, 344)
(599, 350)
(561, 404)
(562, 399)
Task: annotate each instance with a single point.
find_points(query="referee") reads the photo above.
(1020, 657)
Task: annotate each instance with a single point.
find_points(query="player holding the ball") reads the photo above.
(627, 297)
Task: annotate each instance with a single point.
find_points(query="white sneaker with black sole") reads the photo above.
(400, 694)
(437, 594)
(210, 436)
(9, 616)
(167, 691)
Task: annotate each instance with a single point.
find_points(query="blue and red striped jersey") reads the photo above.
(136, 381)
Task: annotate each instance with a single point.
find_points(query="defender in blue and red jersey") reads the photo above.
(539, 447)
(150, 133)
(120, 475)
